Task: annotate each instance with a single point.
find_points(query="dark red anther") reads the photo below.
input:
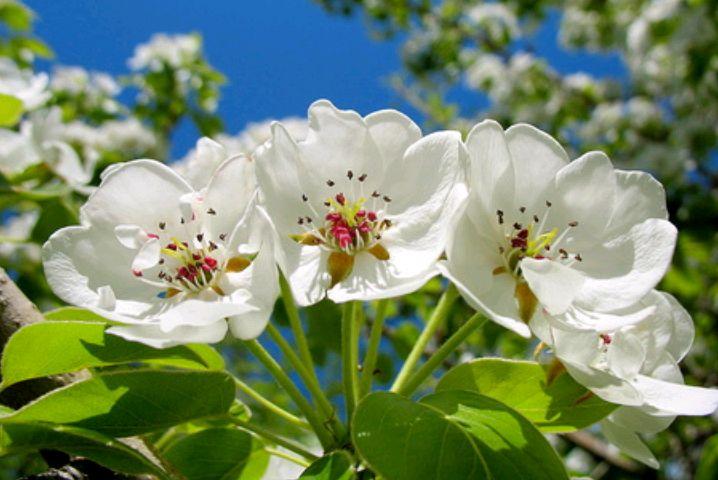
(606, 338)
(171, 246)
(153, 235)
(183, 272)
(361, 213)
(137, 273)
(210, 262)
(333, 217)
(523, 234)
(340, 198)
(196, 256)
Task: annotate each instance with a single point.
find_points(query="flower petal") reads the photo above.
(676, 398)
(152, 335)
(554, 284)
(392, 132)
(230, 192)
(638, 196)
(629, 443)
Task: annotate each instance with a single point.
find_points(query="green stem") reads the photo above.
(292, 458)
(269, 405)
(440, 355)
(309, 380)
(295, 324)
(350, 355)
(286, 383)
(372, 351)
(276, 439)
(437, 318)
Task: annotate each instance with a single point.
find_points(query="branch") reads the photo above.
(601, 449)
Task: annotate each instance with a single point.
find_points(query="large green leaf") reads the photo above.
(73, 346)
(75, 314)
(708, 466)
(559, 405)
(215, 453)
(335, 466)
(453, 434)
(115, 455)
(123, 404)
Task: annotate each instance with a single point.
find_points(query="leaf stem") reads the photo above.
(276, 439)
(271, 406)
(295, 324)
(286, 383)
(372, 351)
(438, 316)
(473, 323)
(309, 380)
(350, 355)
(292, 458)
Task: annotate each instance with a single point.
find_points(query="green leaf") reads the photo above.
(11, 109)
(123, 404)
(73, 346)
(115, 455)
(215, 453)
(453, 434)
(561, 405)
(335, 466)
(708, 466)
(75, 313)
(15, 15)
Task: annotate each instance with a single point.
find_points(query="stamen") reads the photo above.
(223, 236)
(304, 197)
(211, 211)
(330, 183)
(386, 198)
(153, 235)
(573, 224)
(376, 194)
(362, 177)
(350, 174)
(162, 225)
(522, 209)
(517, 226)
(200, 236)
(578, 257)
(536, 218)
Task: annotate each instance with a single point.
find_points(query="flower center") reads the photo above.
(527, 237)
(351, 224)
(192, 265)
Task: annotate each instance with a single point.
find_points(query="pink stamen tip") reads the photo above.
(153, 235)
(206, 267)
(361, 213)
(340, 198)
(171, 246)
(137, 273)
(210, 262)
(371, 216)
(196, 256)
(606, 338)
(333, 217)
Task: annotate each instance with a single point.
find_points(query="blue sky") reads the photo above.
(278, 55)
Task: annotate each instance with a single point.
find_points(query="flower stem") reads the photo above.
(286, 383)
(309, 380)
(292, 458)
(438, 316)
(372, 351)
(350, 355)
(440, 355)
(295, 324)
(276, 439)
(269, 405)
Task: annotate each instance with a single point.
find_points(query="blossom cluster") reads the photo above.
(366, 208)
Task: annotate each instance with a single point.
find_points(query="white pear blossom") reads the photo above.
(173, 50)
(635, 366)
(40, 141)
(128, 136)
(199, 164)
(27, 87)
(577, 240)
(362, 206)
(90, 90)
(170, 262)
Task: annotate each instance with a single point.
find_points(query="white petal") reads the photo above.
(683, 329)
(229, 193)
(585, 192)
(17, 152)
(536, 158)
(579, 318)
(623, 270)
(131, 236)
(392, 132)
(676, 398)
(421, 181)
(199, 312)
(107, 299)
(554, 284)
(635, 419)
(629, 443)
(141, 192)
(148, 256)
(605, 385)
(66, 164)
(638, 196)
(491, 176)
(626, 355)
(153, 336)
